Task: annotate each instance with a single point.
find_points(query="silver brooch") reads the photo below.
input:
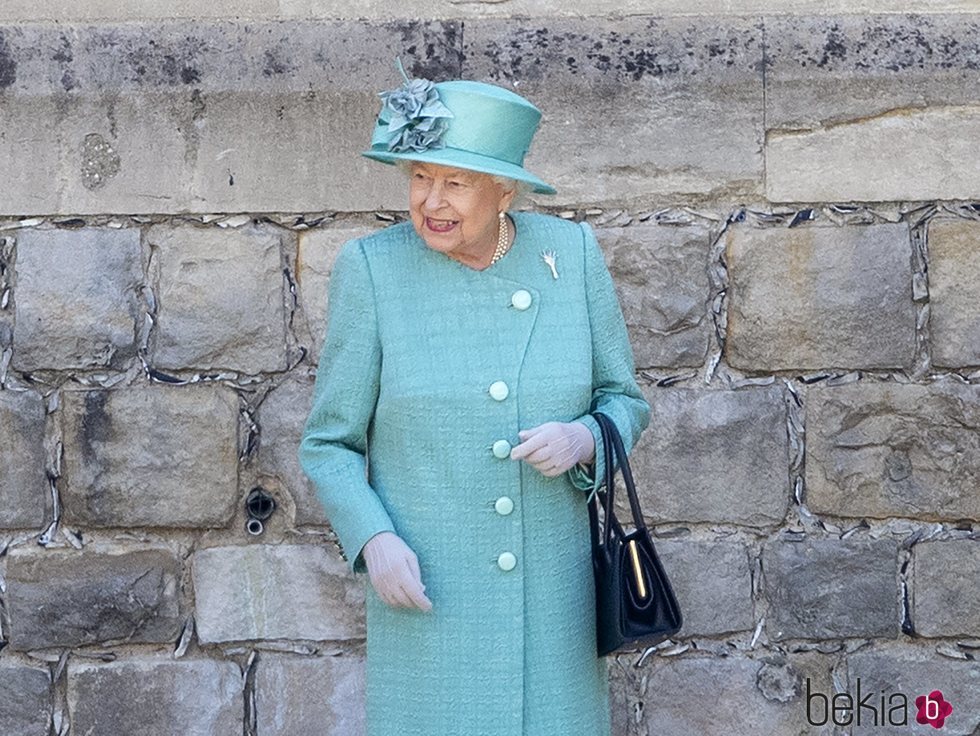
(549, 258)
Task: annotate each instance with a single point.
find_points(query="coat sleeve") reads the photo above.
(334, 444)
(614, 388)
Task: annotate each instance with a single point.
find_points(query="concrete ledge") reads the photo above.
(270, 116)
(876, 108)
(205, 116)
(65, 10)
(636, 108)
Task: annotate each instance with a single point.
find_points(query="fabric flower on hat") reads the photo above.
(417, 119)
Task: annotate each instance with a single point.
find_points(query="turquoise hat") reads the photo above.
(468, 125)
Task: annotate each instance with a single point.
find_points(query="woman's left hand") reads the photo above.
(554, 447)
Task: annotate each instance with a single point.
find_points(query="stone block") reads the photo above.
(275, 592)
(831, 588)
(713, 585)
(155, 695)
(954, 309)
(945, 594)
(75, 295)
(730, 695)
(898, 153)
(220, 299)
(635, 108)
(23, 482)
(314, 261)
(243, 115)
(307, 695)
(882, 449)
(25, 699)
(823, 69)
(914, 671)
(820, 297)
(282, 417)
(150, 456)
(622, 695)
(714, 456)
(871, 107)
(67, 598)
(662, 282)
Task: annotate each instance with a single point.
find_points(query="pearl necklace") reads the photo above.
(502, 240)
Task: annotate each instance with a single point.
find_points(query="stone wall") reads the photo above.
(790, 207)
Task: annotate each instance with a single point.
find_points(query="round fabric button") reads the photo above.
(506, 561)
(504, 505)
(521, 299)
(499, 390)
(501, 449)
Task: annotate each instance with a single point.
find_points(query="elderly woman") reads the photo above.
(450, 439)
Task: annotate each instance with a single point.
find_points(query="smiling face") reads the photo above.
(456, 211)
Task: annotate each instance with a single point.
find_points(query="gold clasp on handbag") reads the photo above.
(641, 585)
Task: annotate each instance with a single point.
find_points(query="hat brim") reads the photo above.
(460, 159)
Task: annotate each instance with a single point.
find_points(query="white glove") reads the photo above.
(554, 447)
(394, 572)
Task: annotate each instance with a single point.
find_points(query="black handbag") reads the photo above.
(635, 604)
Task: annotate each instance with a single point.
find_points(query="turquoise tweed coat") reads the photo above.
(405, 434)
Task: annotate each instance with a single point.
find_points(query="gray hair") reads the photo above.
(520, 188)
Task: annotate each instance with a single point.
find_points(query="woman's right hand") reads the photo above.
(394, 572)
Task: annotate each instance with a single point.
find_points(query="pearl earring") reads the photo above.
(501, 239)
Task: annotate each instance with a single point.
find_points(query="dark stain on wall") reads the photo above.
(8, 67)
(96, 425)
(432, 49)
(64, 57)
(648, 48)
(162, 60)
(875, 44)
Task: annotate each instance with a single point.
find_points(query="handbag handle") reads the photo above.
(613, 448)
(603, 499)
